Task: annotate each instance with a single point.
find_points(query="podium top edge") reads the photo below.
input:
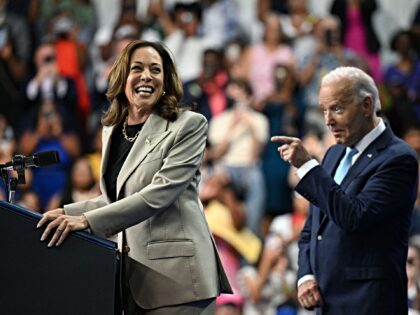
(34, 216)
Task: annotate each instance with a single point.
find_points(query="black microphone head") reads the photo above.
(46, 158)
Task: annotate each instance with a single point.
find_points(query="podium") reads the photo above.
(79, 277)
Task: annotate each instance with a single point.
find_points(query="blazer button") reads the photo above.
(319, 237)
(126, 249)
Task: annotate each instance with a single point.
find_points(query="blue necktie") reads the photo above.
(344, 165)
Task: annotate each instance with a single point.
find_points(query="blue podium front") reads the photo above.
(77, 278)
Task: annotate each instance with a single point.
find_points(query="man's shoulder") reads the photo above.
(399, 147)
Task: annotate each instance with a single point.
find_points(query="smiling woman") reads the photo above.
(144, 83)
(147, 68)
(149, 178)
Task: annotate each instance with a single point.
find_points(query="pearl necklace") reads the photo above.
(132, 139)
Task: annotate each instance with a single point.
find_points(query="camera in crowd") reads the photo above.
(62, 26)
(48, 59)
(281, 73)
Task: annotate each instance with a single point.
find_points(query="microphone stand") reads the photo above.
(12, 189)
(18, 164)
(11, 182)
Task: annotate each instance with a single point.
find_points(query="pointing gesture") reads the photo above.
(292, 150)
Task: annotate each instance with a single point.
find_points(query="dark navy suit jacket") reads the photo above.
(355, 239)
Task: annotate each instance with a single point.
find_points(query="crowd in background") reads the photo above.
(252, 68)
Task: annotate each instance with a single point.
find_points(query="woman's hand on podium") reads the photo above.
(61, 225)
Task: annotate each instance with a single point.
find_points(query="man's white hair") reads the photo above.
(362, 83)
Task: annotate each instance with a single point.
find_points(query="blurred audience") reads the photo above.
(251, 67)
(298, 21)
(405, 72)
(269, 287)
(220, 20)
(7, 140)
(47, 84)
(259, 59)
(183, 37)
(81, 185)
(226, 216)
(284, 110)
(413, 286)
(50, 132)
(238, 136)
(267, 6)
(30, 200)
(207, 92)
(357, 32)
(15, 50)
(72, 59)
(316, 55)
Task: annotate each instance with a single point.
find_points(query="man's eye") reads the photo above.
(337, 109)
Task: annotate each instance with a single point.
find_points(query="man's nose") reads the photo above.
(328, 118)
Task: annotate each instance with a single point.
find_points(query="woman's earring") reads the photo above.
(164, 92)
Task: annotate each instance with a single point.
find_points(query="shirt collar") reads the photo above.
(371, 136)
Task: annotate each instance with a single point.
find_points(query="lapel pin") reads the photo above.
(147, 141)
(369, 155)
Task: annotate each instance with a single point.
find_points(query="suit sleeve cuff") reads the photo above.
(304, 279)
(305, 168)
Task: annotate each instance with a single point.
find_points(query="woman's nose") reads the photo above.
(146, 75)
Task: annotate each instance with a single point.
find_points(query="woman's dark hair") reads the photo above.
(167, 106)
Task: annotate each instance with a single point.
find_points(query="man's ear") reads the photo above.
(368, 105)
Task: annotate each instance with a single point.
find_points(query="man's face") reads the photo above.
(347, 119)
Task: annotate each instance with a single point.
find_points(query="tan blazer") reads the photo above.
(161, 214)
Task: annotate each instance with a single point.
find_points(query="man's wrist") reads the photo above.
(306, 167)
(304, 279)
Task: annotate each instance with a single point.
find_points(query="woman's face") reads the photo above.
(82, 177)
(144, 84)
(273, 31)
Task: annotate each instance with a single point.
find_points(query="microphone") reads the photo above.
(38, 159)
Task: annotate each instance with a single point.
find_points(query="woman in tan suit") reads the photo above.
(152, 150)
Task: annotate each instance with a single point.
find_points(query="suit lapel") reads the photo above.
(106, 145)
(153, 131)
(367, 156)
(330, 165)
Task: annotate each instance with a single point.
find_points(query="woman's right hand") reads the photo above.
(50, 215)
(61, 225)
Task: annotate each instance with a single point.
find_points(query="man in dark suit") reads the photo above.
(353, 248)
